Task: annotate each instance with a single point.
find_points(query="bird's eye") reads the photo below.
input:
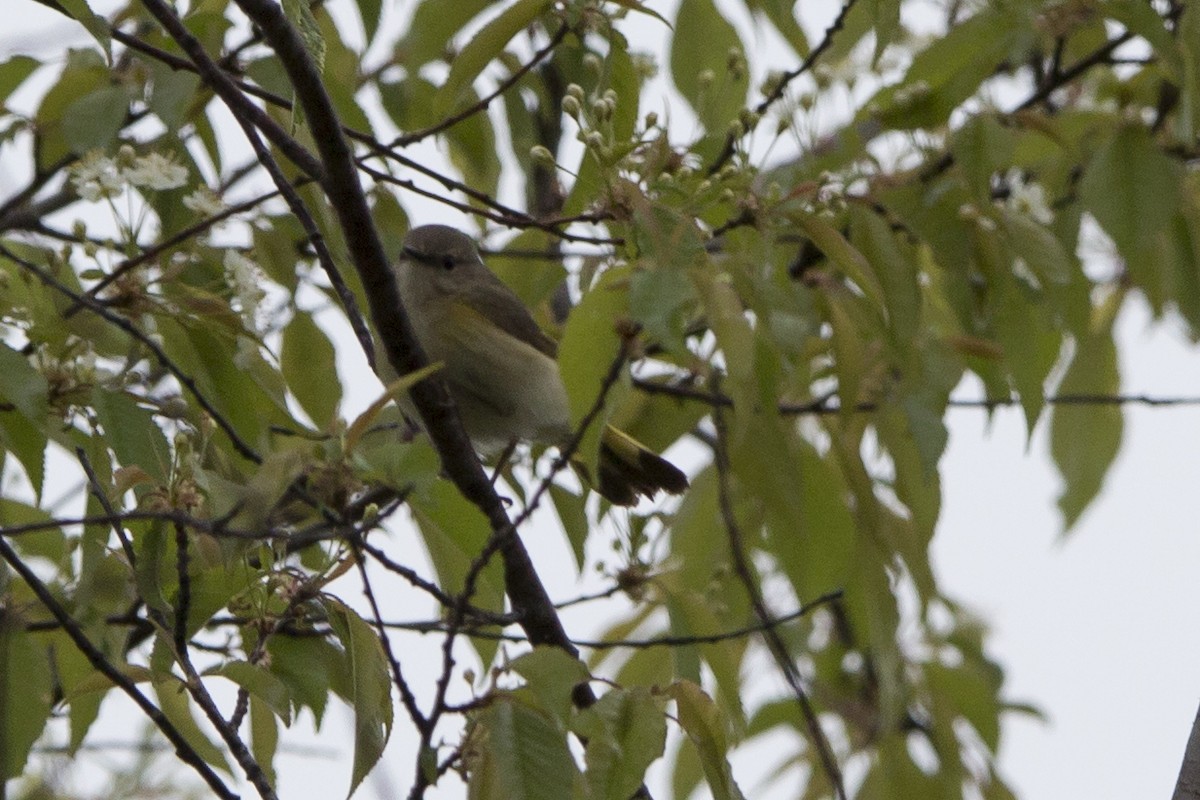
(448, 262)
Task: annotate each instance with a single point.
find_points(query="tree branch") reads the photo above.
(185, 751)
(1187, 787)
(775, 644)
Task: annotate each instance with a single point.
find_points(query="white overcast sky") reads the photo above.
(1098, 629)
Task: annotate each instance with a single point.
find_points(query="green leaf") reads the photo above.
(1038, 247)
(639, 7)
(830, 241)
(971, 689)
(626, 731)
(22, 385)
(49, 543)
(175, 705)
(301, 16)
(433, 26)
(310, 667)
(524, 756)
(370, 12)
(22, 432)
(455, 533)
(1132, 189)
(472, 145)
(370, 683)
(13, 73)
(484, 48)
(982, 146)
(93, 121)
(885, 15)
(1030, 343)
(951, 69)
(261, 684)
(264, 736)
(705, 728)
(95, 24)
(703, 43)
(1085, 438)
(1187, 120)
(893, 773)
(589, 345)
(25, 695)
(552, 674)
(71, 668)
(171, 95)
(132, 433)
(309, 366)
(572, 514)
(783, 17)
(891, 265)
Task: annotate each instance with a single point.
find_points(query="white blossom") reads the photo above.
(1028, 198)
(96, 175)
(245, 279)
(156, 171)
(204, 201)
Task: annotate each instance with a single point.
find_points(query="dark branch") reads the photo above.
(185, 751)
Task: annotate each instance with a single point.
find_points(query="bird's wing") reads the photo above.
(513, 317)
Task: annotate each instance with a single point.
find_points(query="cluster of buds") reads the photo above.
(70, 375)
(594, 116)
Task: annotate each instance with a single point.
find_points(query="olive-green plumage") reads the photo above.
(501, 367)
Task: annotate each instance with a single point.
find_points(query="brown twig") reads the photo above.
(823, 406)
(106, 504)
(97, 659)
(780, 88)
(475, 108)
(775, 644)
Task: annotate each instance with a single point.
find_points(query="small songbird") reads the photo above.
(501, 368)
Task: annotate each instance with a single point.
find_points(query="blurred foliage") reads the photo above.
(818, 237)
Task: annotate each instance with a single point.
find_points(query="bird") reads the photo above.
(501, 368)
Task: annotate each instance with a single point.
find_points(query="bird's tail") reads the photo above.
(629, 470)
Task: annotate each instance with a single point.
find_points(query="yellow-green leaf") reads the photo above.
(370, 687)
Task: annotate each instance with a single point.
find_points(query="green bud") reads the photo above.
(541, 154)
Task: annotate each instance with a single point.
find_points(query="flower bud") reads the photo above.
(541, 154)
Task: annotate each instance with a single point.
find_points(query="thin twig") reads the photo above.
(781, 87)
(775, 643)
(666, 640)
(823, 405)
(97, 659)
(475, 108)
(406, 694)
(183, 600)
(106, 504)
